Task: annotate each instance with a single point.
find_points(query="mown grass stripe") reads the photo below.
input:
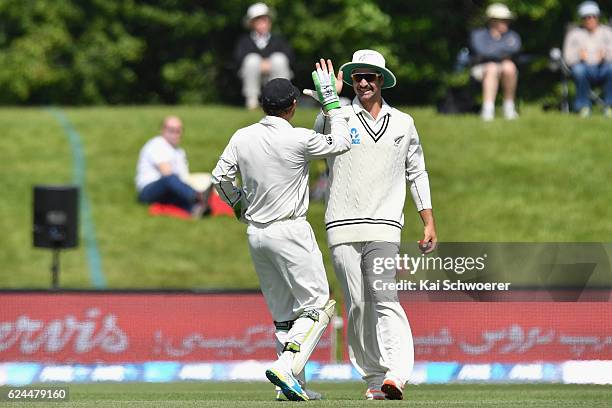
(94, 260)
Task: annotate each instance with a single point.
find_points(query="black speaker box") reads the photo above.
(56, 216)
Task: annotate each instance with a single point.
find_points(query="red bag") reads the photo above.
(168, 210)
(217, 206)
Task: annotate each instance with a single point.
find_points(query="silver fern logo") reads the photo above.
(355, 139)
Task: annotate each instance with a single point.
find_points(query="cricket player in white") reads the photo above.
(273, 159)
(364, 218)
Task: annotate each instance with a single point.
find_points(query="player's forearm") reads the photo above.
(338, 141)
(419, 189)
(224, 176)
(228, 192)
(340, 130)
(319, 125)
(427, 217)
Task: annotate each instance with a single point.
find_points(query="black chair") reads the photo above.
(558, 64)
(462, 99)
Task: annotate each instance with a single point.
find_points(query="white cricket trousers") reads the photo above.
(379, 336)
(290, 267)
(251, 75)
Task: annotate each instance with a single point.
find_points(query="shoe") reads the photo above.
(311, 394)
(487, 115)
(607, 112)
(510, 110)
(510, 114)
(584, 112)
(392, 389)
(252, 103)
(374, 394)
(197, 211)
(288, 384)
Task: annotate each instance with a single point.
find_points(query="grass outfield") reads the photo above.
(542, 178)
(336, 394)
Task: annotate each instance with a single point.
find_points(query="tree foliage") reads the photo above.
(179, 51)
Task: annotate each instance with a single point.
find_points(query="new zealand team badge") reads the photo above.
(355, 139)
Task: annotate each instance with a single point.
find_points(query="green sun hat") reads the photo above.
(368, 59)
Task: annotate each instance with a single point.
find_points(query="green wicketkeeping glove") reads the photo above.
(325, 85)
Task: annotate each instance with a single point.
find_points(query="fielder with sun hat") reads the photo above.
(364, 219)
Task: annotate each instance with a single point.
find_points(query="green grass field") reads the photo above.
(542, 178)
(220, 395)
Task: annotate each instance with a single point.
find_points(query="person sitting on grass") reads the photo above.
(162, 173)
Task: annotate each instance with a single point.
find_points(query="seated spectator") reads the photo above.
(162, 173)
(260, 54)
(493, 48)
(587, 50)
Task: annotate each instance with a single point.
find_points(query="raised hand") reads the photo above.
(326, 85)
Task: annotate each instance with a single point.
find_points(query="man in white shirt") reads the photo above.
(588, 52)
(364, 218)
(163, 169)
(273, 159)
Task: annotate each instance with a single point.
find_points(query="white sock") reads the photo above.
(509, 105)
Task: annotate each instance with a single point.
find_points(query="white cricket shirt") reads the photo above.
(367, 187)
(273, 158)
(156, 151)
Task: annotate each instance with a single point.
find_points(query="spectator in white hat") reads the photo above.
(260, 54)
(493, 48)
(588, 52)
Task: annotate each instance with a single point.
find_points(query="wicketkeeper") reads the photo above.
(273, 159)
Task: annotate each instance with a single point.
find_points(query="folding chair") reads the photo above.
(557, 63)
(464, 62)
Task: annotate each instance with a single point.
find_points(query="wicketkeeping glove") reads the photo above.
(325, 85)
(238, 210)
(237, 207)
